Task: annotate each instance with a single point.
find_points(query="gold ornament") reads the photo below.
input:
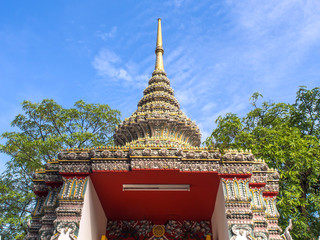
(158, 230)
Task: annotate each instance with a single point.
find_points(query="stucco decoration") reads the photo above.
(242, 232)
(286, 235)
(66, 231)
(261, 236)
(145, 229)
(65, 234)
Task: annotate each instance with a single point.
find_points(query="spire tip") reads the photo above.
(159, 48)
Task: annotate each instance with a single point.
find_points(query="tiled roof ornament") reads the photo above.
(286, 235)
(158, 119)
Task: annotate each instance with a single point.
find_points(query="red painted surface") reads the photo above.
(270, 194)
(256, 185)
(54, 184)
(78, 175)
(234, 175)
(41, 193)
(157, 206)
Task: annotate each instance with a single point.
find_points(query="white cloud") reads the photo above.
(175, 3)
(178, 3)
(230, 51)
(277, 30)
(107, 35)
(208, 107)
(109, 64)
(123, 74)
(185, 96)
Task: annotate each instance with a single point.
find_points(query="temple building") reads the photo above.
(156, 182)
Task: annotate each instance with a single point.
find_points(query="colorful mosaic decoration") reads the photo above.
(158, 136)
(147, 230)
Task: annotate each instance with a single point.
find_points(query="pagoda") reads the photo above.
(156, 182)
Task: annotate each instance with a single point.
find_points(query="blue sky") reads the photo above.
(217, 53)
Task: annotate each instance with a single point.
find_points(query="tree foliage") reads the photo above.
(287, 137)
(42, 130)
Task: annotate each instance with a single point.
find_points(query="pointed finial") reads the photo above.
(159, 49)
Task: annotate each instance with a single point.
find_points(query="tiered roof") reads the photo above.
(158, 119)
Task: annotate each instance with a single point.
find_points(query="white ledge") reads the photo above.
(156, 187)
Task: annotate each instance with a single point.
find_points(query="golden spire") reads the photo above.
(159, 49)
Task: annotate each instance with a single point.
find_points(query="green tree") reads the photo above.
(42, 130)
(287, 137)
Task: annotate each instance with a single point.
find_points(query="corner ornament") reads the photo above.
(286, 235)
(241, 232)
(65, 234)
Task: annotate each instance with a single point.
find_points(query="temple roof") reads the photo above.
(158, 119)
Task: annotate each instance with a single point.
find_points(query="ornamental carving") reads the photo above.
(272, 187)
(250, 157)
(45, 235)
(146, 152)
(145, 229)
(40, 188)
(65, 230)
(53, 178)
(227, 157)
(153, 164)
(119, 154)
(51, 166)
(236, 168)
(105, 154)
(204, 154)
(163, 152)
(72, 155)
(276, 175)
(92, 153)
(239, 157)
(217, 155)
(261, 236)
(61, 156)
(191, 154)
(180, 153)
(198, 166)
(74, 168)
(83, 155)
(112, 165)
(264, 167)
(259, 178)
(241, 232)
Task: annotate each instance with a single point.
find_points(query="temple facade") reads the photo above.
(156, 182)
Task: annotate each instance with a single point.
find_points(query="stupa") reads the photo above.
(156, 182)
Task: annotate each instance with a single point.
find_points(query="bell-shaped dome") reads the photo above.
(158, 119)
